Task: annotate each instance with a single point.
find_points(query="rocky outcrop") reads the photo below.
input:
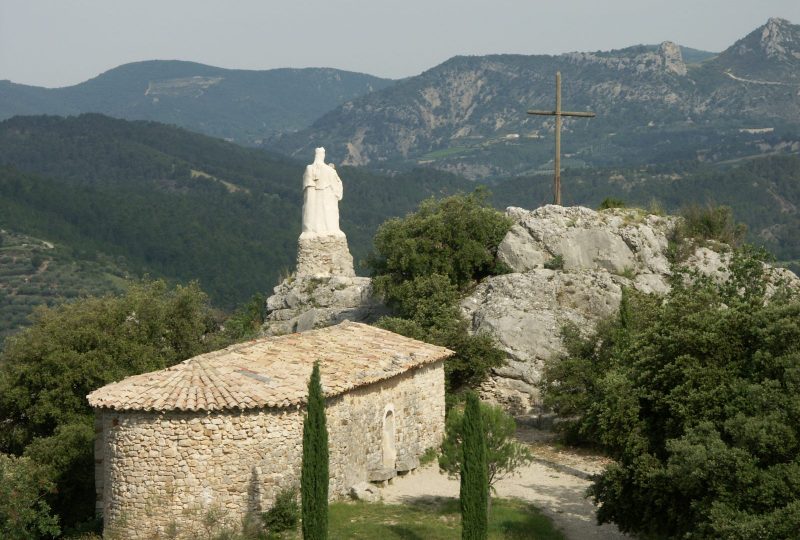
(323, 291)
(569, 266)
(302, 303)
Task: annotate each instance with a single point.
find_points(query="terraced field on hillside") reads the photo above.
(35, 272)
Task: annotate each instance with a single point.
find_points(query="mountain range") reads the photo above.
(118, 198)
(238, 105)
(654, 104)
(468, 115)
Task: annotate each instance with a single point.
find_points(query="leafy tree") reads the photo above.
(474, 492)
(697, 396)
(24, 512)
(67, 458)
(456, 237)
(47, 370)
(425, 261)
(314, 472)
(503, 453)
(247, 320)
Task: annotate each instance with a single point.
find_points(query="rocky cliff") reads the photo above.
(569, 266)
(468, 115)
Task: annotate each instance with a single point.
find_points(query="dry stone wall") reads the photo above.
(157, 470)
(324, 255)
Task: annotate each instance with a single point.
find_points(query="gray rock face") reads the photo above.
(302, 303)
(323, 291)
(599, 253)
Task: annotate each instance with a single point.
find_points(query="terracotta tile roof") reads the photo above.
(271, 372)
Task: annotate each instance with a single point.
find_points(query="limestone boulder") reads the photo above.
(364, 491)
(569, 265)
(302, 303)
(526, 312)
(618, 240)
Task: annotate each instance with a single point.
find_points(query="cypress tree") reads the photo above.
(474, 475)
(314, 473)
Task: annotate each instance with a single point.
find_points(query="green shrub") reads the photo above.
(611, 202)
(711, 223)
(556, 263)
(504, 454)
(284, 514)
(24, 513)
(696, 396)
(455, 237)
(424, 262)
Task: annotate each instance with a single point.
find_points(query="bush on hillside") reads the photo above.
(611, 202)
(700, 224)
(697, 397)
(455, 237)
(47, 370)
(24, 513)
(504, 454)
(424, 262)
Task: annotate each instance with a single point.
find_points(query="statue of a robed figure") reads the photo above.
(322, 248)
(322, 191)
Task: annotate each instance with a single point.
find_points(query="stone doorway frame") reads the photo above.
(389, 438)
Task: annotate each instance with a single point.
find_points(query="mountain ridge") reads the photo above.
(246, 106)
(467, 115)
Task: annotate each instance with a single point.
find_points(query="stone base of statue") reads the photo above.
(324, 255)
(301, 303)
(323, 291)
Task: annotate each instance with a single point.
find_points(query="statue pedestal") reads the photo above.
(323, 291)
(323, 256)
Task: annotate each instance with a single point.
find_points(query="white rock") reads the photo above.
(601, 253)
(364, 491)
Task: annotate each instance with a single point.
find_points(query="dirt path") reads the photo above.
(560, 495)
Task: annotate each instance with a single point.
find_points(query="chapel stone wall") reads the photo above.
(158, 470)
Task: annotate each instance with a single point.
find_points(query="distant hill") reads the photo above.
(468, 115)
(240, 105)
(764, 193)
(35, 272)
(118, 198)
(179, 205)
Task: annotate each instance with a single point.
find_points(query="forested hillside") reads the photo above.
(177, 204)
(144, 198)
(764, 193)
(242, 105)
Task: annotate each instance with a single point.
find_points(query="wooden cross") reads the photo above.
(558, 113)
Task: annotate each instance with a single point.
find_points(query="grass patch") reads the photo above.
(433, 519)
(447, 152)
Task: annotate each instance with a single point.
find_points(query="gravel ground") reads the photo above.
(559, 494)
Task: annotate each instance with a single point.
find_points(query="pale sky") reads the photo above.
(63, 42)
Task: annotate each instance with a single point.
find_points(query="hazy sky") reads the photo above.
(63, 42)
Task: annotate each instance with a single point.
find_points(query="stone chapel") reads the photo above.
(224, 429)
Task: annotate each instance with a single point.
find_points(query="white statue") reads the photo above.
(322, 191)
